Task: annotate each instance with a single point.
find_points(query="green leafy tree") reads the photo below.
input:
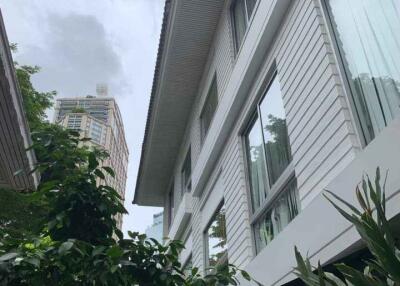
(35, 103)
(374, 229)
(78, 241)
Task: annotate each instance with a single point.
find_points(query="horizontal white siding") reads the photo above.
(321, 133)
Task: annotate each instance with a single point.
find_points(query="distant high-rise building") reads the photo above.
(98, 118)
(156, 229)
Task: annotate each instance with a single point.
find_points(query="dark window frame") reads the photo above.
(212, 91)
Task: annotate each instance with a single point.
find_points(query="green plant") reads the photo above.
(80, 244)
(374, 229)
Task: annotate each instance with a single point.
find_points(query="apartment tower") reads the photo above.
(99, 118)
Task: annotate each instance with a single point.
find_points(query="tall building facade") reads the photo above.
(252, 116)
(15, 162)
(156, 229)
(98, 118)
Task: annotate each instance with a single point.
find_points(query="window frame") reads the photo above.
(186, 186)
(171, 206)
(236, 45)
(276, 190)
(203, 131)
(224, 258)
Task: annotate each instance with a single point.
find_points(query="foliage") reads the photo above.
(78, 110)
(373, 227)
(21, 213)
(81, 243)
(78, 242)
(35, 103)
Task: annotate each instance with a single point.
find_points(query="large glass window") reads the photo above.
(216, 242)
(242, 11)
(271, 176)
(367, 33)
(209, 108)
(278, 216)
(186, 174)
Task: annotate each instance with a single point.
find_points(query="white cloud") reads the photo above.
(79, 43)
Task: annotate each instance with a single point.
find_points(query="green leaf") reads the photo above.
(65, 247)
(99, 174)
(245, 275)
(115, 252)
(109, 170)
(93, 163)
(8, 256)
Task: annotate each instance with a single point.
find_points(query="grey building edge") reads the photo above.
(186, 35)
(15, 132)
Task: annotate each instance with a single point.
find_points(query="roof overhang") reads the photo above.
(186, 35)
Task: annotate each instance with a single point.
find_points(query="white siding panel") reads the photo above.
(322, 136)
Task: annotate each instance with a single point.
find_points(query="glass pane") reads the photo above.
(209, 108)
(240, 21)
(278, 217)
(216, 238)
(256, 164)
(277, 147)
(250, 7)
(186, 174)
(368, 34)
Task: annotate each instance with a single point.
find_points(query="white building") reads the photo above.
(156, 229)
(256, 108)
(99, 119)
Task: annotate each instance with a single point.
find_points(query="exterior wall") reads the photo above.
(14, 130)
(321, 129)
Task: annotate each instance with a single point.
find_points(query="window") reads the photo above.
(209, 108)
(96, 130)
(270, 172)
(171, 204)
(187, 267)
(186, 174)
(216, 242)
(74, 122)
(367, 34)
(242, 11)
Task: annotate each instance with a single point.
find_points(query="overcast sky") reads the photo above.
(79, 43)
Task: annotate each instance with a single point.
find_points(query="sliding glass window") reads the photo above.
(270, 172)
(242, 10)
(367, 34)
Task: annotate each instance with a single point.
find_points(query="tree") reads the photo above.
(374, 229)
(35, 103)
(78, 242)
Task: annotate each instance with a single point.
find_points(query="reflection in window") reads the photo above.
(279, 215)
(273, 118)
(269, 156)
(242, 11)
(256, 164)
(216, 239)
(209, 108)
(186, 174)
(368, 37)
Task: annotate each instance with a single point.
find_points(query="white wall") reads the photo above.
(321, 131)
